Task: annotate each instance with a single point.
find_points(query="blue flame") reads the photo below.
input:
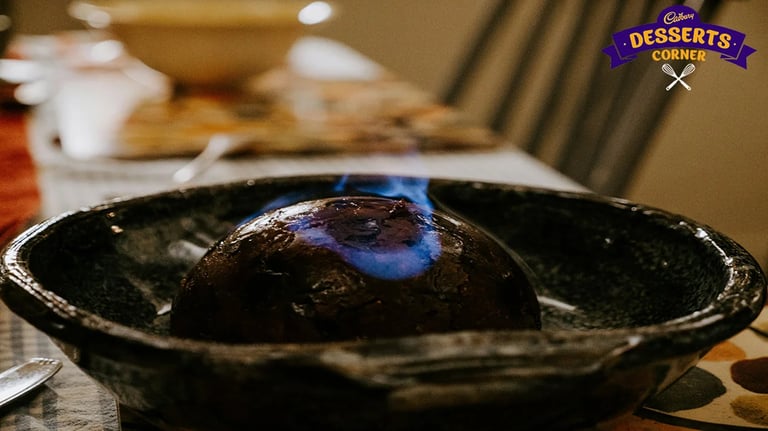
(391, 262)
(283, 201)
(388, 263)
(412, 189)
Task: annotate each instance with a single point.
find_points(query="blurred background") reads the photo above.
(708, 160)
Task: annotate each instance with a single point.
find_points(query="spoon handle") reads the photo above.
(21, 379)
(218, 146)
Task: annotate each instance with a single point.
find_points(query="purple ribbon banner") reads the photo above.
(678, 27)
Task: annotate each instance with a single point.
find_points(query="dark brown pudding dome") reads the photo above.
(352, 268)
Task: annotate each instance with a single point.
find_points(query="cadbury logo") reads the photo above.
(673, 17)
(678, 34)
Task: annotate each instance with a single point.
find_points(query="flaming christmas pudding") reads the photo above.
(351, 268)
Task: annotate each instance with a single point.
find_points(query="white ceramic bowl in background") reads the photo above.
(205, 42)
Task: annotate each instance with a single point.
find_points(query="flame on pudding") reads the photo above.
(413, 189)
(367, 238)
(389, 241)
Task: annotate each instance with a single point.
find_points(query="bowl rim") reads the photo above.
(741, 300)
(269, 13)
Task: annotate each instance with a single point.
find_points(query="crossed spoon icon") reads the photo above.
(689, 68)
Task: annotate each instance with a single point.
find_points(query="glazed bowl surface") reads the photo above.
(631, 298)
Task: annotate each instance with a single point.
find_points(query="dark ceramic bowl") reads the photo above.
(632, 297)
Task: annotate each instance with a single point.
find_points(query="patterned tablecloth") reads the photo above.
(728, 390)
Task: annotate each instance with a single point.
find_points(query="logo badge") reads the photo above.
(678, 34)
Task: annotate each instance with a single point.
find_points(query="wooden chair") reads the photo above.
(555, 94)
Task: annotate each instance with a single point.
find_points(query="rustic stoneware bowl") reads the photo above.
(632, 297)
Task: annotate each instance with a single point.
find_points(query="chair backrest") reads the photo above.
(550, 89)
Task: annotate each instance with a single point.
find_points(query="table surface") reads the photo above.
(80, 162)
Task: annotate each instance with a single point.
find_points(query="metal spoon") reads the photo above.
(218, 146)
(21, 379)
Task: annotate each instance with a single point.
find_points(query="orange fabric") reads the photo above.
(19, 193)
